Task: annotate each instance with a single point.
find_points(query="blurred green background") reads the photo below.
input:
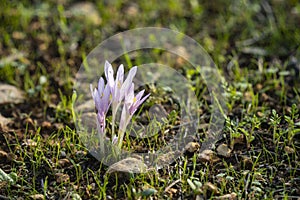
(255, 44)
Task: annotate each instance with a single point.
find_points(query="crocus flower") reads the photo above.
(130, 107)
(101, 97)
(113, 94)
(133, 102)
(118, 87)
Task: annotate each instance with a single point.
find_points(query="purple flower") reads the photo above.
(118, 87)
(133, 102)
(112, 94)
(101, 97)
(130, 107)
(109, 74)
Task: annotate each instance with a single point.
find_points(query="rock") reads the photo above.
(88, 106)
(207, 155)
(13, 57)
(247, 163)
(132, 10)
(148, 192)
(29, 143)
(166, 158)
(37, 197)
(192, 147)
(85, 11)
(89, 121)
(58, 126)
(247, 96)
(224, 150)
(158, 112)
(11, 94)
(125, 168)
(289, 150)
(46, 124)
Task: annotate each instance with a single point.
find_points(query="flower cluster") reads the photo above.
(115, 93)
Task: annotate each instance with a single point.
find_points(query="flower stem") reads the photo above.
(101, 138)
(114, 113)
(122, 133)
(113, 125)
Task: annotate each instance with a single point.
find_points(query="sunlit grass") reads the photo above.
(254, 45)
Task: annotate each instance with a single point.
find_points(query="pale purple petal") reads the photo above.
(137, 103)
(127, 83)
(130, 95)
(101, 121)
(143, 99)
(120, 76)
(97, 100)
(114, 140)
(101, 85)
(125, 117)
(106, 99)
(114, 92)
(139, 95)
(118, 84)
(109, 74)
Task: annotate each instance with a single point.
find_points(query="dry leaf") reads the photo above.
(62, 178)
(4, 122)
(46, 124)
(64, 162)
(210, 187)
(289, 150)
(3, 155)
(232, 196)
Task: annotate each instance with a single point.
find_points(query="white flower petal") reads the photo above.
(109, 74)
(120, 76)
(101, 85)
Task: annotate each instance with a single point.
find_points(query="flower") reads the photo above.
(130, 106)
(133, 102)
(112, 94)
(118, 87)
(101, 97)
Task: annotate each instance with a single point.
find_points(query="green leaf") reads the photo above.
(11, 178)
(148, 192)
